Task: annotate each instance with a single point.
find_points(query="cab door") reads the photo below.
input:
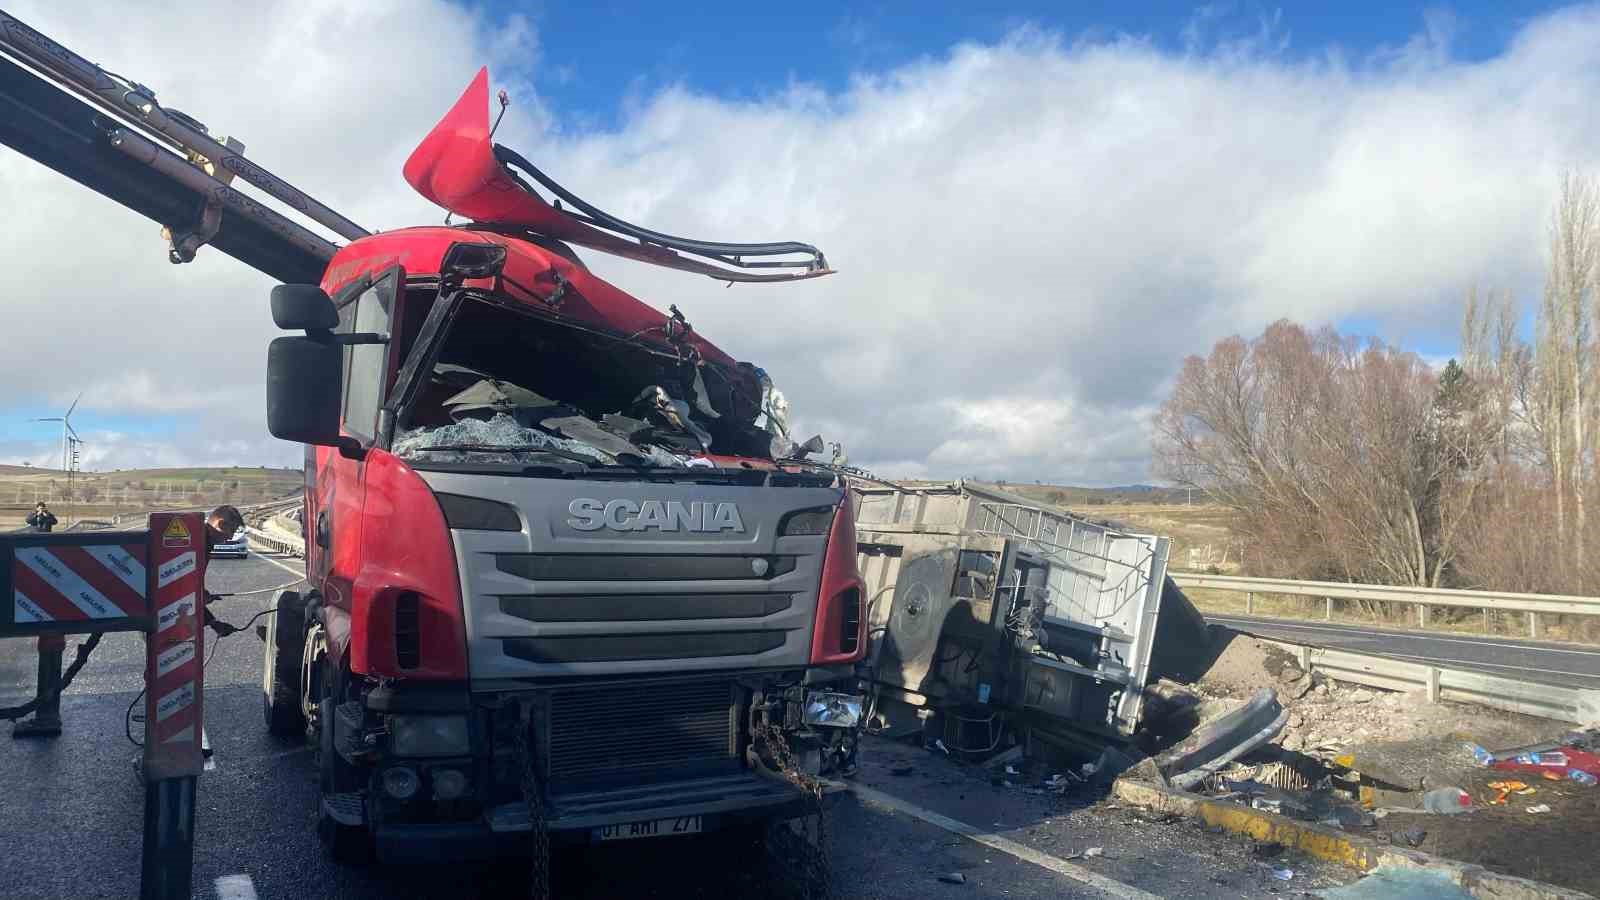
(366, 306)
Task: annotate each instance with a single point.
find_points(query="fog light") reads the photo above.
(449, 784)
(400, 783)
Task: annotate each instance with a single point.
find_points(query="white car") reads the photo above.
(236, 546)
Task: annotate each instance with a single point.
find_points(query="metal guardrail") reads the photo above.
(1422, 598)
(1528, 698)
(278, 543)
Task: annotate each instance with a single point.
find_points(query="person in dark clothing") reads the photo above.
(222, 523)
(42, 519)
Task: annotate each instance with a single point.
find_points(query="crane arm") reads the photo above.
(50, 112)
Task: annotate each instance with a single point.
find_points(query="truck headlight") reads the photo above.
(412, 735)
(833, 709)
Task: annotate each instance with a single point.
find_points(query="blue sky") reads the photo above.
(598, 56)
(1099, 191)
(599, 61)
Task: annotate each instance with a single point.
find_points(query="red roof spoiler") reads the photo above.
(459, 168)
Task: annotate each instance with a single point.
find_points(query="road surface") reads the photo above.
(1568, 665)
(70, 821)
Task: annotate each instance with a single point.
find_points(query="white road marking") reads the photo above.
(1473, 662)
(235, 887)
(1101, 883)
(282, 565)
(1410, 635)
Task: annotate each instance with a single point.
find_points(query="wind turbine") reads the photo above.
(66, 430)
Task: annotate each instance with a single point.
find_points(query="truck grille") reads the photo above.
(618, 733)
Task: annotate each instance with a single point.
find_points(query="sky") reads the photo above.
(1035, 215)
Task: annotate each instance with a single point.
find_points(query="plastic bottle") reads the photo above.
(1582, 777)
(1447, 801)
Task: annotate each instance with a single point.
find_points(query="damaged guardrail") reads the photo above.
(1422, 598)
(1460, 685)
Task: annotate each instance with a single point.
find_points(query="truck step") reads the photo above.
(346, 809)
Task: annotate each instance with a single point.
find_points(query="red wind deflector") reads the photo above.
(456, 166)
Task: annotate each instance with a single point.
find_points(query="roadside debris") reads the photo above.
(1574, 756)
(953, 878)
(1539, 808)
(1220, 741)
(1447, 801)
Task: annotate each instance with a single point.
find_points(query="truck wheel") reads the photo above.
(280, 667)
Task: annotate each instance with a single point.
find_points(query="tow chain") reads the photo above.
(533, 795)
(803, 854)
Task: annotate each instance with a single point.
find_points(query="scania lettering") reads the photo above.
(662, 515)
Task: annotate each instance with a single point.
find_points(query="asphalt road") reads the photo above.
(71, 814)
(1568, 665)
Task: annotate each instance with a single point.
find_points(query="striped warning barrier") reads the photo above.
(175, 643)
(74, 583)
(151, 581)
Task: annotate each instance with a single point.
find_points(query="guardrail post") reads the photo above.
(1533, 624)
(1329, 615)
(1486, 620)
(1249, 603)
(1433, 684)
(1422, 615)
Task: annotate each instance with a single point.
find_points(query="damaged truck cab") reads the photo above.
(567, 576)
(528, 572)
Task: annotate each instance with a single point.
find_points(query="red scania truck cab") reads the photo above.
(566, 574)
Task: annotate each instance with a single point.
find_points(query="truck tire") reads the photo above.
(280, 667)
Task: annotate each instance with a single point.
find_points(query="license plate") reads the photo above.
(628, 831)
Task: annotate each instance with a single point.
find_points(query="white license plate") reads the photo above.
(628, 831)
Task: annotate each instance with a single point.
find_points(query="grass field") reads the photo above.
(105, 495)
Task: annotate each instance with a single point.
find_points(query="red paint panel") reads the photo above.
(95, 574)
(44, 596)
(406, 547)
(589, 300)
(839, 575)
(454, 166)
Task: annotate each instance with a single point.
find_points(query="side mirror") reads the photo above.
(303, 375)
(303, 306)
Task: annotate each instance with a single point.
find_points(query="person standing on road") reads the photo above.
(221, 524)
(42, 519)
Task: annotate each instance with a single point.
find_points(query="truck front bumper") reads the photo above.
(721, 802)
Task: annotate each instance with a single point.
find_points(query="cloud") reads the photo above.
(1030, 234)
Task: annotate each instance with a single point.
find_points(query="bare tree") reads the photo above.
(1562, 402)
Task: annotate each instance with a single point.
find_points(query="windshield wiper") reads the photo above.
(516, 448)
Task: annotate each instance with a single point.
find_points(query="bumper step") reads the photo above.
(346, 809)
(744, 792)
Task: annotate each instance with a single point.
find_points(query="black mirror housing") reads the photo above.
(303, 306)
(303, 376)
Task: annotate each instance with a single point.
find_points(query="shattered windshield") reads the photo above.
(512, 387)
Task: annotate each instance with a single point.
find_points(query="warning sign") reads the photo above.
(176, 535)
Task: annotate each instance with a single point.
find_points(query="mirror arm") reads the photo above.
(365, 337)
(350, 448)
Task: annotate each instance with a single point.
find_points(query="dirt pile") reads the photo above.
(1328, 718)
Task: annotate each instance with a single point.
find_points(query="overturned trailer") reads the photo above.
(983, 603)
